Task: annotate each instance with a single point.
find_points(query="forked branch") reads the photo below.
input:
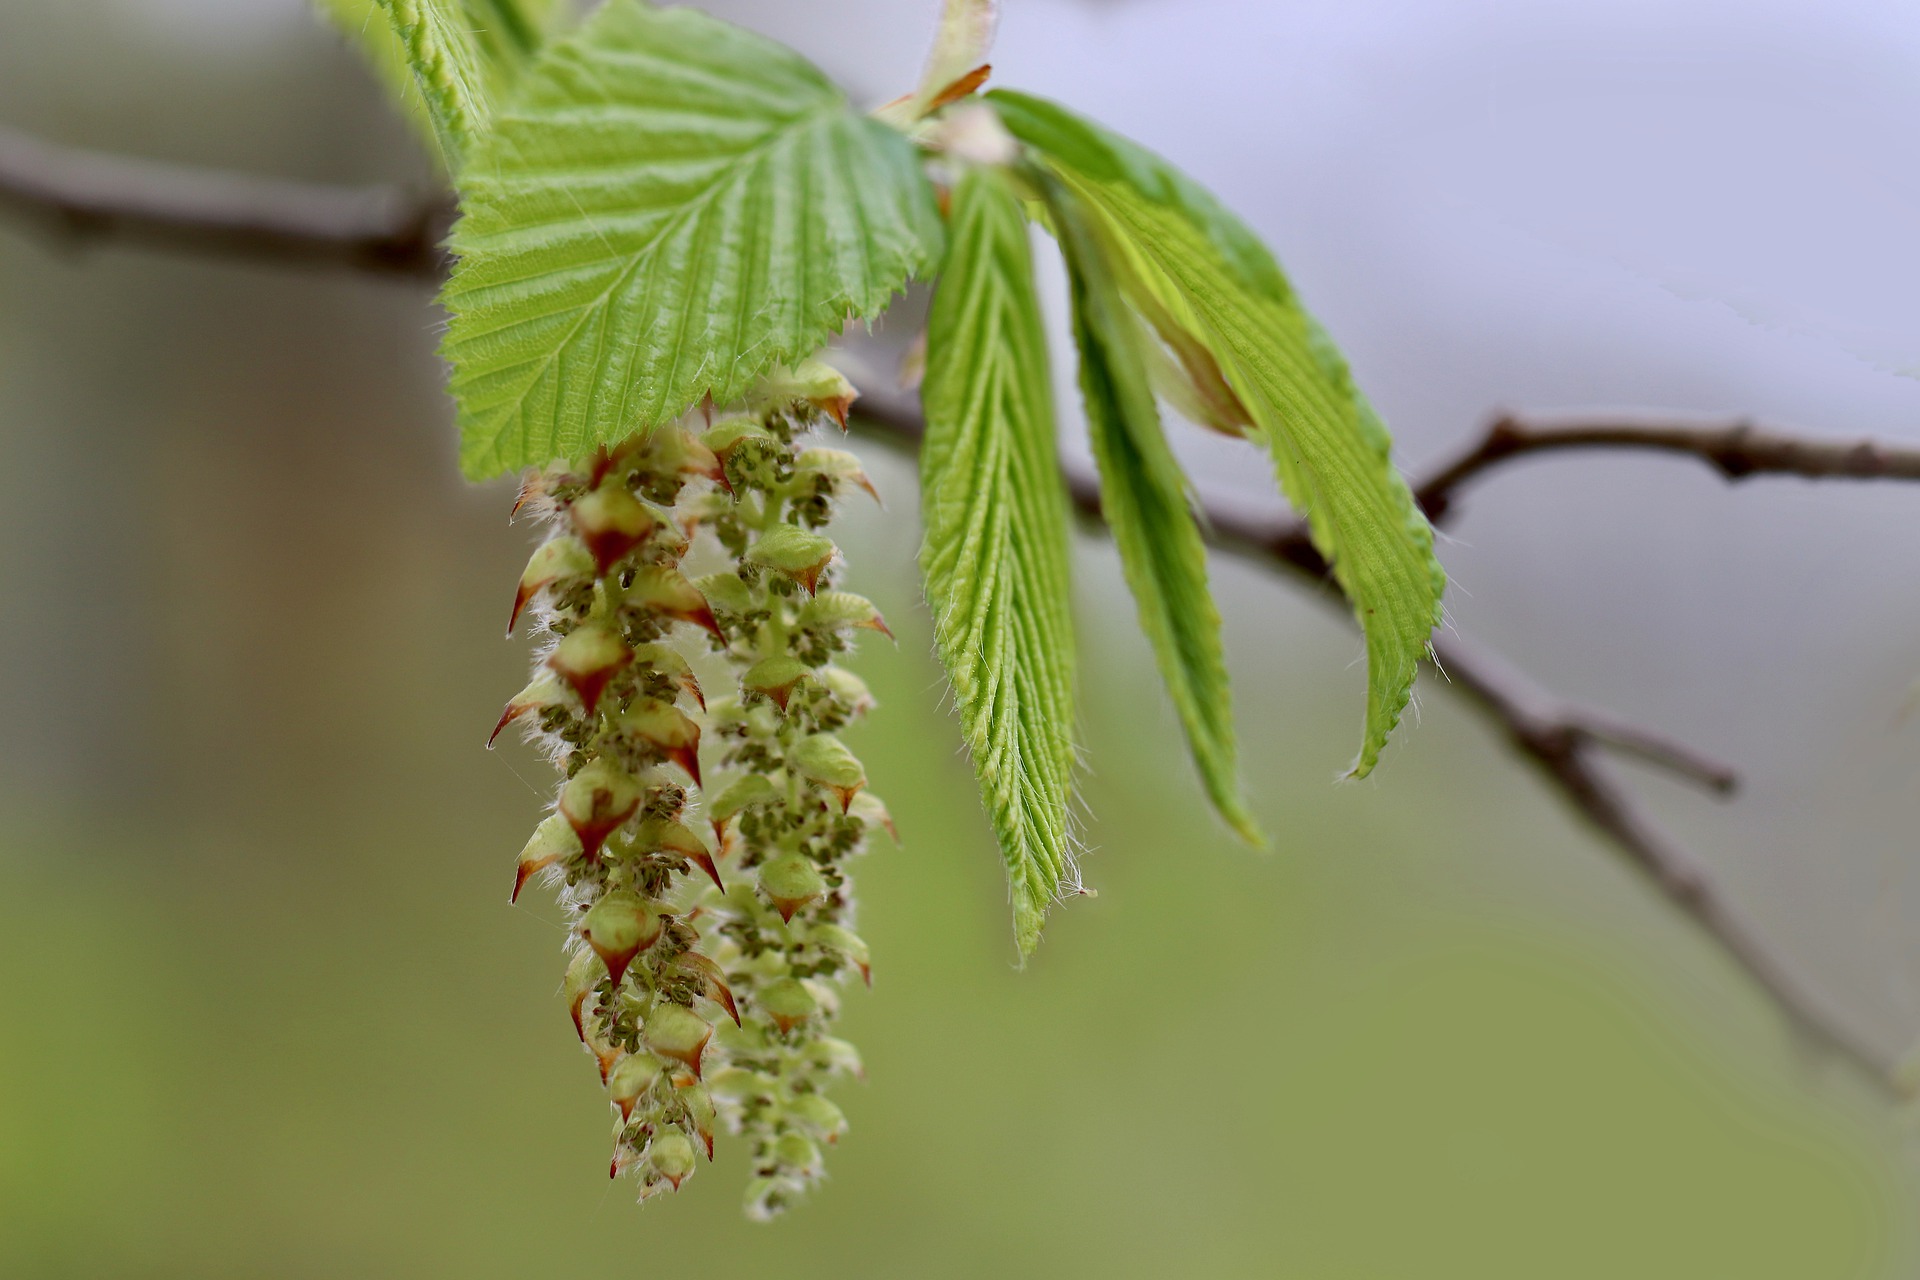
(1568, 745)
(90, 197)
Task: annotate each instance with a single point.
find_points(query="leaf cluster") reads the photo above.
(660, 209)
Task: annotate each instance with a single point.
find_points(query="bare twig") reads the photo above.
(1561, 742)
(1566, 744)
(95, 196)
(86, 196)
(1737, 449)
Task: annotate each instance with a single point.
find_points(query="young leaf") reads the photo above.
(507, 33)
(365, 23)
(671, 208)
(995, 557)
(1218, 298)
(1143, 496)
(455, 80)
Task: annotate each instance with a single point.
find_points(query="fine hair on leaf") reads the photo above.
(1144, 499)
(996, 552)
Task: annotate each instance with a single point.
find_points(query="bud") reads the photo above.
(745, 793)
(583, 974)
(619, 927)
(868, 808)
(667, 592)
(587, 659)
(840, 610)
(552, 841)
(611, 522)
(799, 554)
(673, 837)
(846, 944)
(668, 729)
(765, 1198)
(723, 438)
(813, 383)
(677, 451)
(701, 1113)
(837, 1057)
(824, 759)
(825, 994)
(715, 980)
(544, 691)
(533, 487)
(596, 801)
(604, 1051)
(737, 1084)
(726, 592)
(796, 1152)
(671, 1156)
(670, 664)
(848, 688)
(776, 677)
(837, 467)
(788, 1002)
(790, 882)
(630, 1078)
(677, 1032)
(555, 561)
(818, 1117)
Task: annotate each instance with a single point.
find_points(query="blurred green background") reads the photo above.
(265, 1010)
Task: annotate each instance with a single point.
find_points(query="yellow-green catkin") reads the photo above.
(702, 835)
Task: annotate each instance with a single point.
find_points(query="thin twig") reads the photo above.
(86, 197)
(1566, 744)
(1562, 745)
(93, 196)
(1737, 449)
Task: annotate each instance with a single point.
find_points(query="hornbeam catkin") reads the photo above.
(702, 835)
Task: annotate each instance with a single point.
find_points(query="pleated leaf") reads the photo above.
(365, 23)
(671, 207)
(995, 557)
(457, 82)
(1221, 303)
(503, 33)
(1145, 500)
(509, 32)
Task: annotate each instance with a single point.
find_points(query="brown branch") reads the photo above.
(86, 197)
(91, 196)
(1736, 449)
(1566, 744)
(1563, 744)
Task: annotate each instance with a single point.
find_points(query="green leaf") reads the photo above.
(456, 81)
(508, 32)
(995, 557)
(1093, 152)
(1216, 296)
(671, 208)
(504, 33)
(365, 23)
(1144, 498)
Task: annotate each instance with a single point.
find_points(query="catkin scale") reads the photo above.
(703, 976)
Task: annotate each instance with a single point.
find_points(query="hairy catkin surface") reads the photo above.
(713, 915)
